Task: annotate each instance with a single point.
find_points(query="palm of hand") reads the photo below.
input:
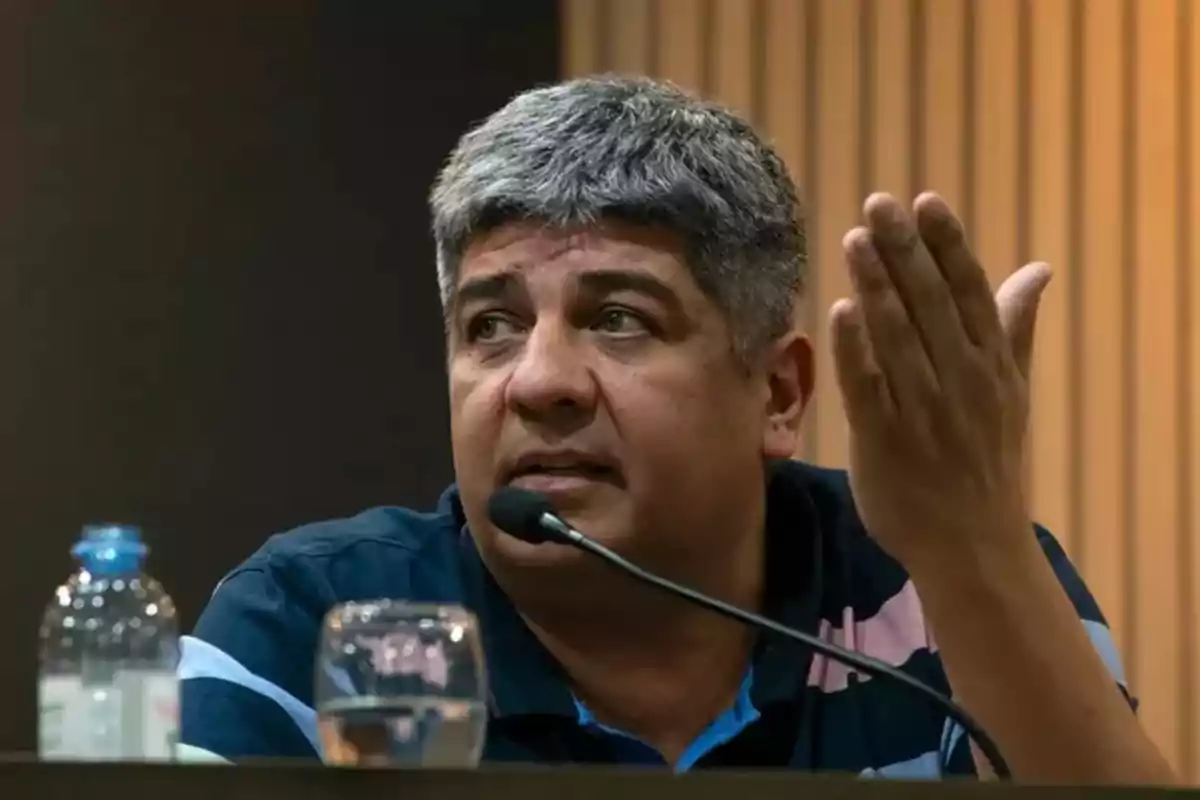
(933, 374)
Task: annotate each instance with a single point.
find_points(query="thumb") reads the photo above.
(1017, 302)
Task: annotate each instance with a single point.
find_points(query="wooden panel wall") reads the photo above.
(1062, 130)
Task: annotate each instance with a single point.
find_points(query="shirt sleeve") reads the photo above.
(960, 760)
(246, 671)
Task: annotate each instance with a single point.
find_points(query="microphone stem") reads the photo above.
(871, 666)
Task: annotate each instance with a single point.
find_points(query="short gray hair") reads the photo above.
(642, 151)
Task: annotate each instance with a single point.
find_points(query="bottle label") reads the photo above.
(135, 717)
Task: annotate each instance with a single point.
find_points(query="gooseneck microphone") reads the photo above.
(530, 517)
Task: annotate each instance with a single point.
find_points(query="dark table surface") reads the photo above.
(25, 778)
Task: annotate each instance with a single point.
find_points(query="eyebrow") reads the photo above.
(597, 282)
(609, 281)
(486, 287)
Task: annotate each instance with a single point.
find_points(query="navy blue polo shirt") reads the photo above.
(247, 669)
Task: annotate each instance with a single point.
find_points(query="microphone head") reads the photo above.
(519, 513)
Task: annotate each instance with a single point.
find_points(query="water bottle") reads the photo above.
(107, 689)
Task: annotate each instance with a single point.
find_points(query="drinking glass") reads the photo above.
(401, 684)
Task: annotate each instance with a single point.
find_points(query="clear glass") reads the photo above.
(401, 684)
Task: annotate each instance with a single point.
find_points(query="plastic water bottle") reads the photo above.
(107, 689)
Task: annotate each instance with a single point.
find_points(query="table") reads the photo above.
(22, 778)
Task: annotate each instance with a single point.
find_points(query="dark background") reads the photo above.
(218, 307)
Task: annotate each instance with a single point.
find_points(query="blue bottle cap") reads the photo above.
(110, 549)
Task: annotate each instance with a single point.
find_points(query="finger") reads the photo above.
(895, 342)
(918, 279)
(865, 395)
(1017, 304)
(947, 243)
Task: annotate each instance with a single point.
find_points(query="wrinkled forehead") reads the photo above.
(528, 252)
(530, 242)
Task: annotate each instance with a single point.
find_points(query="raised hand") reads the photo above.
(933, 373)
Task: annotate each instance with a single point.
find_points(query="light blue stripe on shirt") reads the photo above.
(199, 659)
(924, 767)
(190, 754)
(1106, 646)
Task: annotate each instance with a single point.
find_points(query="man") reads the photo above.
(619, 264)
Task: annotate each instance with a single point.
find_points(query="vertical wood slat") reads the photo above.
(1191, 630)
(993, 155)
(734, 53)
(630, 43)
(1103, 390)
(785, 122)
(891, 99)
(1031, 132)
(581, 21)
(836, 207)
(944, 82)
(1155, 493)
(1184, 279)
(682, 48)
(1048, 201)
(785, 86)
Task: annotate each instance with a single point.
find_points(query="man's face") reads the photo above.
(588, 366)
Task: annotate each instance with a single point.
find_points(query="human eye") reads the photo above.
(490, 326)
(621, 321)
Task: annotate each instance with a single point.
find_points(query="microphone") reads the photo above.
(530, 517)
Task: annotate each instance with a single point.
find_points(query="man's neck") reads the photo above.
(644, 661)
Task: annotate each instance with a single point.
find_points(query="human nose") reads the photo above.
(551, 380)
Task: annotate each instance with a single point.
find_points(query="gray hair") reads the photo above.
(646, 152)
